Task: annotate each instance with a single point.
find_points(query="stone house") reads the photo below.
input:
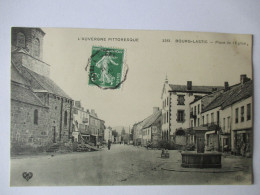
(151, 128)
(137, 133)
(148, 130)
(108, 135)
(87, 125)
(176, 101)
(217, 115)
(30, 75)
(80, 123)
(239, 123)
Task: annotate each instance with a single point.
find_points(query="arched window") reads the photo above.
(35, 117)
(20, 40)
(65, 118)
(36, 43)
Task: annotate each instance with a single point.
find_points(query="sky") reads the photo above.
(149, 61)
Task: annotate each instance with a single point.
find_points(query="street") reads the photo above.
(123, 165)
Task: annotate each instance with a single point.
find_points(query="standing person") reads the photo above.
(109, 144)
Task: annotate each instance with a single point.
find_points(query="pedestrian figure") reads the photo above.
(109, 144)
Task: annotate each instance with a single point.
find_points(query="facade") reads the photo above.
(176, 101)
(224, 117)
(151, 128)
(148, 131)
(137, 133)
(86, 125)
(108, 135)
(51, 121)
(80, 123)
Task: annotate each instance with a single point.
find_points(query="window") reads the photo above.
(248, 111)
(20, 40)
(192, 110)
(65, 118)
(36, 43)
(236, 119)
(198, 108)
(228, 123)
(180, 116)
(198, 122)
(224, 122)
(167, 101)
(207, 118)
(212, 117)
(180, 100)
(195, 110)
(203, 122)
(35, 118)
(167, 116)
(242, 114)
(191, 123)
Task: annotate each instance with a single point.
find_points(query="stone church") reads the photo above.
(41, 112)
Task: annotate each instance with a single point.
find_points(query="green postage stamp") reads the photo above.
(106, 67)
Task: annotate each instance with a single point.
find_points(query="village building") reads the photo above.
(108, 135)
(80, 123)
(137, 133)
(41, 112)
(87, 127)
(217, 116)
(151, 128)
(176, 116)
(148, 131)
(240, 121)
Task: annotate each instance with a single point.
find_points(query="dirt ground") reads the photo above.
(124, 165)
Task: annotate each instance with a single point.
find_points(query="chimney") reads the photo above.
(155, 110)
(243, 78)
(189, 85)
(92, 111)
(226, 86)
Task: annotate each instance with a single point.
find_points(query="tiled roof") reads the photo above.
(151, 119)
(234, 94)
(199, 89)
(47, 83)
(242, 92)
(24, 94)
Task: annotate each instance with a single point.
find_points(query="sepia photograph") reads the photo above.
(99, 107)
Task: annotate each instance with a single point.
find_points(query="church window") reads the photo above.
(20, 40)
(65, 118)
(35, 117)
(36, 43)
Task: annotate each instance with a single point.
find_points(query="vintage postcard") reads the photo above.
(130, 107)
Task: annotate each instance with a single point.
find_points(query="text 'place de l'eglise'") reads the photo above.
(44, 118)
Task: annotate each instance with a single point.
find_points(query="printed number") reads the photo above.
(166, 40)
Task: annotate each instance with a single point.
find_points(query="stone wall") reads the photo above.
(23, 129)
(33, 40)
(58, 106)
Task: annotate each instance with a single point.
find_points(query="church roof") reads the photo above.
(195, 89)
(46, 83)
(24, 94)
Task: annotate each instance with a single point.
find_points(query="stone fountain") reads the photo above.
(200, 159)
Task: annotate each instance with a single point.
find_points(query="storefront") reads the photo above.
(243, 142)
